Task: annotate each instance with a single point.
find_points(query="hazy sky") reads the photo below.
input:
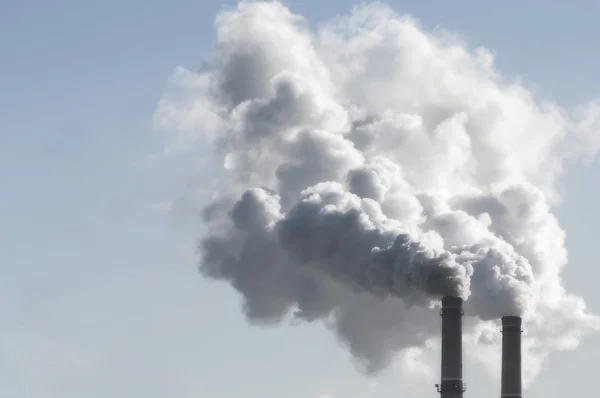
(100, 296)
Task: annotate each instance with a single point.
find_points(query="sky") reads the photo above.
(101, 296)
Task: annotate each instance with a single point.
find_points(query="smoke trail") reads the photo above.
(371, 168)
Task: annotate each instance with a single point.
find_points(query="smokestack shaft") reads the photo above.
(511, 357)
(451, 385)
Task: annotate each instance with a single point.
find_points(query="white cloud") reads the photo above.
(413, 132)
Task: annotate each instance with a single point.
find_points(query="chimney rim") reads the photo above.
(512, 320)
(452, 302)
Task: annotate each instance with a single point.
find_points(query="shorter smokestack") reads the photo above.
(511, 357)
(452, 385)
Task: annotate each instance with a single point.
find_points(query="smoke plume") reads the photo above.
(368, 169)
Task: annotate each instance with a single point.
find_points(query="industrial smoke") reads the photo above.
(366, 170)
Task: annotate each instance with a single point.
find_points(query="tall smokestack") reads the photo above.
(511, 357)
(451, 385)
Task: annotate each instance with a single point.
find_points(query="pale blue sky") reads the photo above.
(99, 298)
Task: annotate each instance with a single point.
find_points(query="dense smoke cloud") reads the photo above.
(370, 168)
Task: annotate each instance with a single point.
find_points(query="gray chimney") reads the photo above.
(452, 385)
(511, 357)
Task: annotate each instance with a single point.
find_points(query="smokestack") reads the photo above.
(511, 357)
(452, 385)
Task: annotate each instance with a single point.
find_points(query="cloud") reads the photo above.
(370, 167)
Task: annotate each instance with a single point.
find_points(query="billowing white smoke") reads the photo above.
(370, 169)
